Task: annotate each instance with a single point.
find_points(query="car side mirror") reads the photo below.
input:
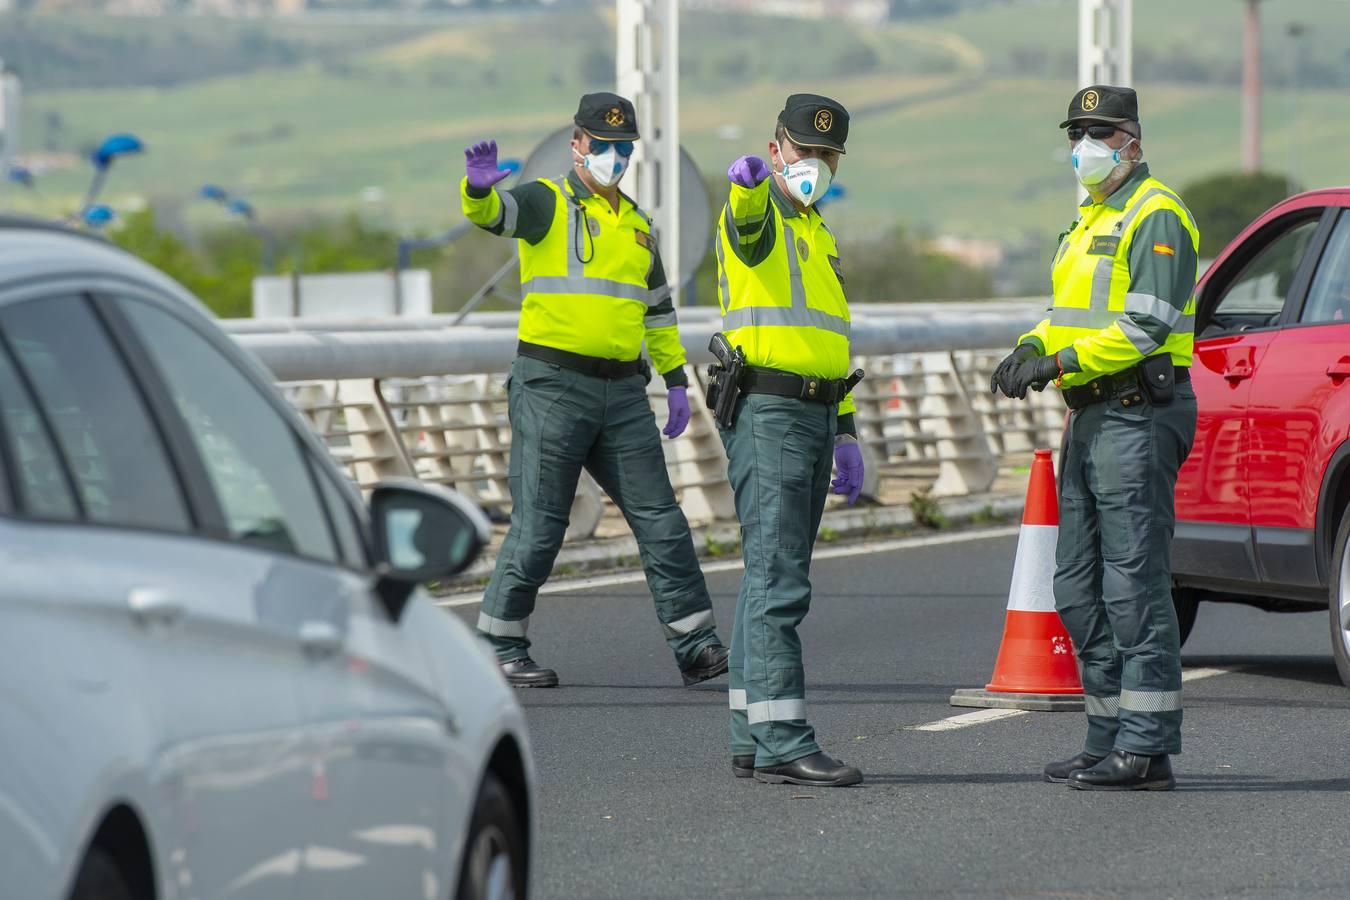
(423, 532)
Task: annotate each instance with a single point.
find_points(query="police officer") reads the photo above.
(1118, 342)
(782, 297)
(594, 289)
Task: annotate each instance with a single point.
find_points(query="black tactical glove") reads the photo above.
(1002, 377)
(1036, 373)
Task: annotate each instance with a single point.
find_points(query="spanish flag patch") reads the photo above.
(1164, 249)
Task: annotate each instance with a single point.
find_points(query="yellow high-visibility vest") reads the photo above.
(584, 284)
(1091, 279)
(787, 311)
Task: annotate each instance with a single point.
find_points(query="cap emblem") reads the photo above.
(824, 120)
(1090, 101)
(614, 118)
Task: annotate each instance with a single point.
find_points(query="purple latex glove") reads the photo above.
(480, 164)
(848, 462)
(677, 401)
(748, 171)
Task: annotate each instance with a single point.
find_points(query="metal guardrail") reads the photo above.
(400, 398)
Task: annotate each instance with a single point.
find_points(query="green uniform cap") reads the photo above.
(815, 121)
(1103, 103)
(607, 116)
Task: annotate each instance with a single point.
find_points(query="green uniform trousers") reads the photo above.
(561, 422)
(1113, 570)
(780, 453)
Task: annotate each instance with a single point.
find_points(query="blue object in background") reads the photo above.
(115, 146)
(98, 215)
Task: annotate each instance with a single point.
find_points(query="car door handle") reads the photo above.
(1340, 368)
(153, 605)
(1238, 372)
(320, 638)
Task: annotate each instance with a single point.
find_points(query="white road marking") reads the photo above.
(982, 716)
(1197, 674)
(965, 720)
(728, 565)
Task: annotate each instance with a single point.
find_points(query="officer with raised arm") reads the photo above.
(784, 348)
(594, 290)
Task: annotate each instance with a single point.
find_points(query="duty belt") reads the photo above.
(800, 387)
(1125, 385)
(587, 365)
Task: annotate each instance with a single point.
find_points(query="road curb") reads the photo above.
(720, 540)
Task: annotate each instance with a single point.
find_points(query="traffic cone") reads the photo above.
(1036, 667)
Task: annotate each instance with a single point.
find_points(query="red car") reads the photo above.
(1263, 502)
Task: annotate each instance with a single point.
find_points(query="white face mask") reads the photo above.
(606, 168)
(807, 179)
(1094, 161)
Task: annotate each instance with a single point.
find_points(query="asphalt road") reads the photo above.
(637, 799)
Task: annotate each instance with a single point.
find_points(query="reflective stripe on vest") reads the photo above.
(796, 315)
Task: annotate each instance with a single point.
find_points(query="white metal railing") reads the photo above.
(430, 403)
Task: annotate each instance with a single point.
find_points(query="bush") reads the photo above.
(1225, 204)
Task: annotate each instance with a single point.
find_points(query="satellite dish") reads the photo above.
(553, 157)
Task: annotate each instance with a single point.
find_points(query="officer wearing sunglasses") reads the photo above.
(1118, 343)
(594, 291)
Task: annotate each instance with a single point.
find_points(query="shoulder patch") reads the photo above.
(643, 238)
(1164, 250)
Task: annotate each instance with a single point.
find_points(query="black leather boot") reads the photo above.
(743, 766)
(526, 673)
(1059, 772)
(710, 662)
(816, 770)
(1123, 771)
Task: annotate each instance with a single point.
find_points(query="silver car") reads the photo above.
(218, 677)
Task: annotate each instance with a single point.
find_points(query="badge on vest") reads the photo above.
(838, 268)
(643, 238)
(1104, 245)
(593, 226)
(803, 250)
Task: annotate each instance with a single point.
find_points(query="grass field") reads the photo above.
(954, 132)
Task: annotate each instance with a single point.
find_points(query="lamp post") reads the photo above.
(240, 207)
(103, 157)
(1296, 32)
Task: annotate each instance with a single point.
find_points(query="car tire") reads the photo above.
(1339, 598)
(100, 879)
(1187, 604)
(493, 866)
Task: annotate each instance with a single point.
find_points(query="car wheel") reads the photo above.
(1339, 600)
(1187, 604)
(100, 879)
(494, 855)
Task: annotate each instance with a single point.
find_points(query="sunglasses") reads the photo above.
(1097, 132)
(623, 148)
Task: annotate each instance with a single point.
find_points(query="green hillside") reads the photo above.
(955, 126)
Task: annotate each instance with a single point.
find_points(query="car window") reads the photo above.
(1256, 297)
(251, 453)
(1329, 297)
(43, 489)
(108, 440)
(343, 518)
